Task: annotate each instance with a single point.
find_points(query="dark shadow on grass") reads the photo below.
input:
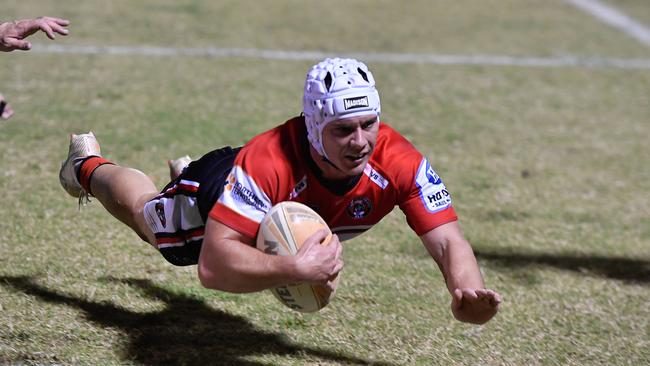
(186, 332)
(624, 269)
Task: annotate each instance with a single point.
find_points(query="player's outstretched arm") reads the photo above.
(471, 301)
(13, 34)
(230, 262)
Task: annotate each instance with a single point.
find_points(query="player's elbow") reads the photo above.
(207, 277)
(213, 278)
(210, 278)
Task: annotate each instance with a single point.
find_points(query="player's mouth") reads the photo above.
(356, 158)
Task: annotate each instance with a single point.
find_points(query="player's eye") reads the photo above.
(368, 124)
(343, 131)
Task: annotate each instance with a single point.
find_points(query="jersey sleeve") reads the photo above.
(426, 202)
(249, 192)
(422, 195)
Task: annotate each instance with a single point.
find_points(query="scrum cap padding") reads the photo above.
(335, 89)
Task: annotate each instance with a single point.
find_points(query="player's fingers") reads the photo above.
(317, 237)
(457, 299)
(332, 252)
(59, 29)
(331, 285)
(45, 27)
(58, 21)
(481, 292)
(495, 300)
(7, 113)
(313, 243)
(334, 239)
(470, 294)
(337, 267)
(339, 250)
(487, 293)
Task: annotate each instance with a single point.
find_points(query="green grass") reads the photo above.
(548, 168)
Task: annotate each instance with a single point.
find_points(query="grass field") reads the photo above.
(548, 168)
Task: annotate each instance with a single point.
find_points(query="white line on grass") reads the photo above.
(394, 58)
(615, 18)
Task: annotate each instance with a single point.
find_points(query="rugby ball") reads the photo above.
(282, 232)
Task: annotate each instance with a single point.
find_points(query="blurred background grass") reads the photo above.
(548, 168)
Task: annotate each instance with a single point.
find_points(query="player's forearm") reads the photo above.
(241, 268)
(454, 256)
(460, 267)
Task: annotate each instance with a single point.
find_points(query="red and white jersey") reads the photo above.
(274, 167)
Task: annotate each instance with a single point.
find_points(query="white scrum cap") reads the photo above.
(337, 88)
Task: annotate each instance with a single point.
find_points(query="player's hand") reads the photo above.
(319, 263)
(475, 306)
(13, 34)
(5, 109)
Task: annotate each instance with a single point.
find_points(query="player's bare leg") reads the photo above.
(122, 191)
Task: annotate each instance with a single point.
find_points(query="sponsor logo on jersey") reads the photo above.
(230, 182)
(359, 207)
(160, 211)
(242, 194)
(356, 102)
(375, 176)
(432, 176)
(300, 186)
(433, 192)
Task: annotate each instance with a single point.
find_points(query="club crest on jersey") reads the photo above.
(359, 207)
(356, 102)
(160, 211)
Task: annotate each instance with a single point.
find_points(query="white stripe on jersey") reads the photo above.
(170, 245)
(189, 183)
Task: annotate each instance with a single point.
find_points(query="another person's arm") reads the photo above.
(13, 34)
(230, 262)
(471, 301)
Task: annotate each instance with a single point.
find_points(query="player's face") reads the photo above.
(349, 143)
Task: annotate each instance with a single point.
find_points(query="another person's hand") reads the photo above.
(13, 34)
(5, 108)
(475, 306)
(319, 263)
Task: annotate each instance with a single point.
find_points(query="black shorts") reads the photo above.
(178, 214)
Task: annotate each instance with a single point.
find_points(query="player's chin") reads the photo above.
(355, 166)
